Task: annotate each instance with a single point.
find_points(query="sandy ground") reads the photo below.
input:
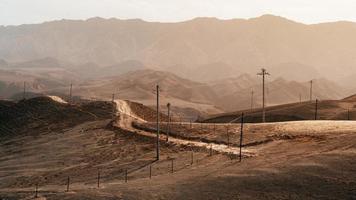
(292, 160)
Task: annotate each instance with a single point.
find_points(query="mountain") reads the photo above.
(45, 63)
(226, 86)
(12, 82)
(193, 98)
(294, 72)
(186, 96)
(197, 49)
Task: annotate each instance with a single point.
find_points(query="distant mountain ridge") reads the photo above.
(221, 47)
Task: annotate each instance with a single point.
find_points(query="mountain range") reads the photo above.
(204, 65)
(201, 49)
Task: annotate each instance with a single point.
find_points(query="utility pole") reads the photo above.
(252, 100)
(311, 90)
(241, 133)
(113, 106)
(157, 142)
(169, 120)
(263, 74)
(70, 93)
(24, 90)
(300, 98)
(316, 109)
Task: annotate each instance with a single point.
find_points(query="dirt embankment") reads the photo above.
(326, 110)
(146, 113)
(43, 113)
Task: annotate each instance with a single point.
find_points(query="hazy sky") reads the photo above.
(14, 12)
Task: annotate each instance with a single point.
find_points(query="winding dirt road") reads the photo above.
(126, 117)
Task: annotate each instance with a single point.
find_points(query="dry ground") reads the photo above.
(293, 160)
(326, 110)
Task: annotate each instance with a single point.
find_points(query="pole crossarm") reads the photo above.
(263, 73)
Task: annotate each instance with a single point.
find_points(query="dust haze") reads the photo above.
(108, 108)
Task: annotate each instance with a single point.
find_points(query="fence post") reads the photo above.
(192, 158)
(214, 127)
(228, 136)
(99, 179)
(68, 182)
(190, 124)
(348, 114)
(172, 167)
(36, 191)
(241, 134)
(125, 175)
(150, 171)
(211, 150)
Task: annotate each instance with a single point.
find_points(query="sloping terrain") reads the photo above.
(291, 160)
(191, 99)
(44, 114)
(37, 80)
(326, 110)
(235, 93)
(140, 86)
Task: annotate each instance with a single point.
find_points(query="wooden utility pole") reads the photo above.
(169, 120)
(263, 74)
(70, 93)
(157, 140)
(300, 98)
(252, 100)
(316, 109)
(311, 90)
(241, 134)
(24, 90)
(113, 106)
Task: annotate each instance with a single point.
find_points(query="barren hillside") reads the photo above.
(290, 160)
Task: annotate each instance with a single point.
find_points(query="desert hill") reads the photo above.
(12, 81)
(194, 98)
(235, 93)
(327, 110)
(43, 113)
(186, 96)
(309, 159)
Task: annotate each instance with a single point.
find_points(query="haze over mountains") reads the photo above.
(206, 63)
